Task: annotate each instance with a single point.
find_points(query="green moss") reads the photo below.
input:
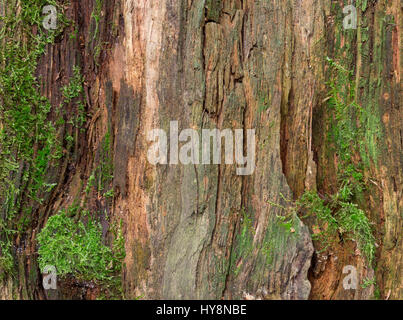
(278, 235)
(246, 236)
(244, 242)
(351, 140)
(6, 259)
(337, 214)
(28, 140)
(75, 87)
(264, 103)
(106, 164)
(76, 248)
(30, 146)
(213, 8)
(73, 240)
(362, 4)
(96, 16)
(73, 95)
(368, 282)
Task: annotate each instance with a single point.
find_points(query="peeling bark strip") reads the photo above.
(201, 231)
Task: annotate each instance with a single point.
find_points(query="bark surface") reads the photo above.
(202, 231)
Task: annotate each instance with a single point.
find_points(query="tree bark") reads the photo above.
(202, 231)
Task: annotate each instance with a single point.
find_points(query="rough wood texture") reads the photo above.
(202, 231)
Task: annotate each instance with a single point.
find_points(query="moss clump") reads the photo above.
(76, 248)
(6, 259)
(75, 87)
